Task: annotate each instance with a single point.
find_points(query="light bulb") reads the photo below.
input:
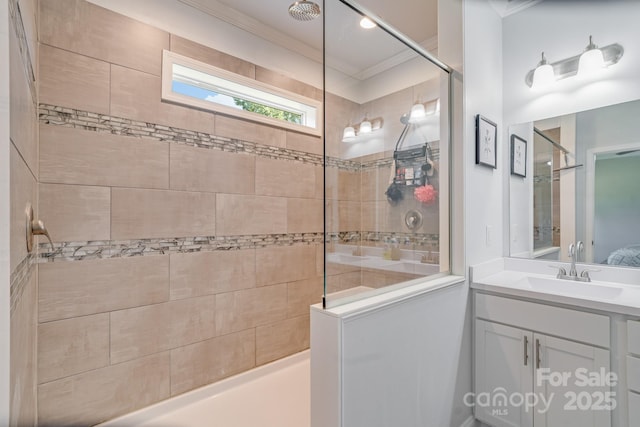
(365, 127)
(543, 76)
(591, 60)
(349, 133)
(417, 112)
(367, 23)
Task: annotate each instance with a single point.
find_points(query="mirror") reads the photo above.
(582, 184)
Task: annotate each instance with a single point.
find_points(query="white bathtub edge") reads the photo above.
(173, 403)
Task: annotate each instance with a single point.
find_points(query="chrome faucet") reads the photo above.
(574, 253)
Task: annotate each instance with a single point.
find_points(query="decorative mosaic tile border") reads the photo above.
(85, 250)
(419, 239)
(78, 251)
(86, 120)
(103, 123)
(16, 18)
(105, 249)
(20, 278)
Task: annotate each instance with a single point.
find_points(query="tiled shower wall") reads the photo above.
(23, 183)
(187, 244)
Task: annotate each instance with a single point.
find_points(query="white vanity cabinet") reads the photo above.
(528, 353)
(633, 371)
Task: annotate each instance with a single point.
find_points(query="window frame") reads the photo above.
(170, 58)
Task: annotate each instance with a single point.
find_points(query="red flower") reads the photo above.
(425, 194)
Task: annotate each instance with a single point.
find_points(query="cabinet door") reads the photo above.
(503, 368)
(566, 374)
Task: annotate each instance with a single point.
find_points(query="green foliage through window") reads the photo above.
(273, 112)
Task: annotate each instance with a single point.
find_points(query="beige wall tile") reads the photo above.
(375, 183)
(146, 330)
(209, 361)
(23, 117)
(284, 82)
(102, 394)
(334, 268)
(205, 273)
(281, 339)
(301, 294)
(349, 185)
(70, 289)
(245, 130)
(320, 253)
(212, 56)
(304, 215)
(75, 212)
(76, 156)
(72, 346)
(241, 215)
(341, 282)
(280, 264)
(302, 142)
(73, 25)
(156, 213)
(23, 357)
(374, 279)
(340, 113)
(285, 178)
(375, 216)
(136, 95)
(202, 169)
(23, 190)
(71, 80)
(248, 308)
(319, 183)
(349, 216)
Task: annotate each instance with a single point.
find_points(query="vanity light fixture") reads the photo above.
(421, 111)
(543, 75)
(348, 134)
(593, 58)
(367, 23)
(365, 127)
(417, 112)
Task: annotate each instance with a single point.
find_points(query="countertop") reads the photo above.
(620, 294)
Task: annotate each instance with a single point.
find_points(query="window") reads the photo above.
(194, 83)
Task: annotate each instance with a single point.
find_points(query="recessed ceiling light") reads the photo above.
(367, 23)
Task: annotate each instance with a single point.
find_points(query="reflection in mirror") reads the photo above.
(584, 187)
(386, 153)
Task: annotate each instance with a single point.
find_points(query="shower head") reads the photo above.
(304, 10)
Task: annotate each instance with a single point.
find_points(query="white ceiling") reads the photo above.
(365, 52)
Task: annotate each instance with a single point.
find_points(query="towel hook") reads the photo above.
(35, 228)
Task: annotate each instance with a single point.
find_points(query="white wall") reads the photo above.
(483, 95)
(520, 198)
(4, 214)
(388, 360)
(561, 29)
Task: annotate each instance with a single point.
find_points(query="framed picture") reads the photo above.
(486, 135)
(518, 156)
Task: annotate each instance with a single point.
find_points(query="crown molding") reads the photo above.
(509, 7)
(431, 44)
(247, 23)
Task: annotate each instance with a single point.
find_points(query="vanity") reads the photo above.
(555, 352)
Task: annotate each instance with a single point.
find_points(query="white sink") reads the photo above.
(571, 288)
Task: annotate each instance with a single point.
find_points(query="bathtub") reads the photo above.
(273, 395)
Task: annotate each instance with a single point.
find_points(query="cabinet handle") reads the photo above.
(526, 350)
(537, 354)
